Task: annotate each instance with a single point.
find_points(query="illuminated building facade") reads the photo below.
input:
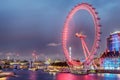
(113, 41)
(110, 59)
(111, 63)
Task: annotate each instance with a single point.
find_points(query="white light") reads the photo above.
(70, 52)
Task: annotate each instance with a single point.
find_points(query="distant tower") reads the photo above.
(34, 55)
(8, 57)
(70, 52)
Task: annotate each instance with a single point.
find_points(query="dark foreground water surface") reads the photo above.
(40, 75)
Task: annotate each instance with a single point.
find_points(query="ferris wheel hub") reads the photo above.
(80, 35)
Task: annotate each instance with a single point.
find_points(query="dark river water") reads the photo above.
(40, 75)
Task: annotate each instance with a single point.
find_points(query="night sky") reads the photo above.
(36, 25)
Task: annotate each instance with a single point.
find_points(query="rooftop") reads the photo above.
(116, 32)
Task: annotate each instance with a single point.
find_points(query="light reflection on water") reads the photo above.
(106, 76)
(68, 76)
(40, 75)
(33, 75)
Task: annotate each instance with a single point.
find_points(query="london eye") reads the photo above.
(88, 53)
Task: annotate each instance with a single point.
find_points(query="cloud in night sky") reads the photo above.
(54, 44)
(27, 25)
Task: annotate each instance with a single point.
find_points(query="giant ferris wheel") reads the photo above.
(89, 54)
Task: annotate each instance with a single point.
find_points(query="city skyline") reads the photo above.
(26, 26)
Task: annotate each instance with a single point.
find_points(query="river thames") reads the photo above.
(41, 75)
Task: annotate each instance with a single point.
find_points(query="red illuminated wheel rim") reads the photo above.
(94, 14)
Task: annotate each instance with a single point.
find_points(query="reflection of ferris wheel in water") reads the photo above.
(89, 54)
